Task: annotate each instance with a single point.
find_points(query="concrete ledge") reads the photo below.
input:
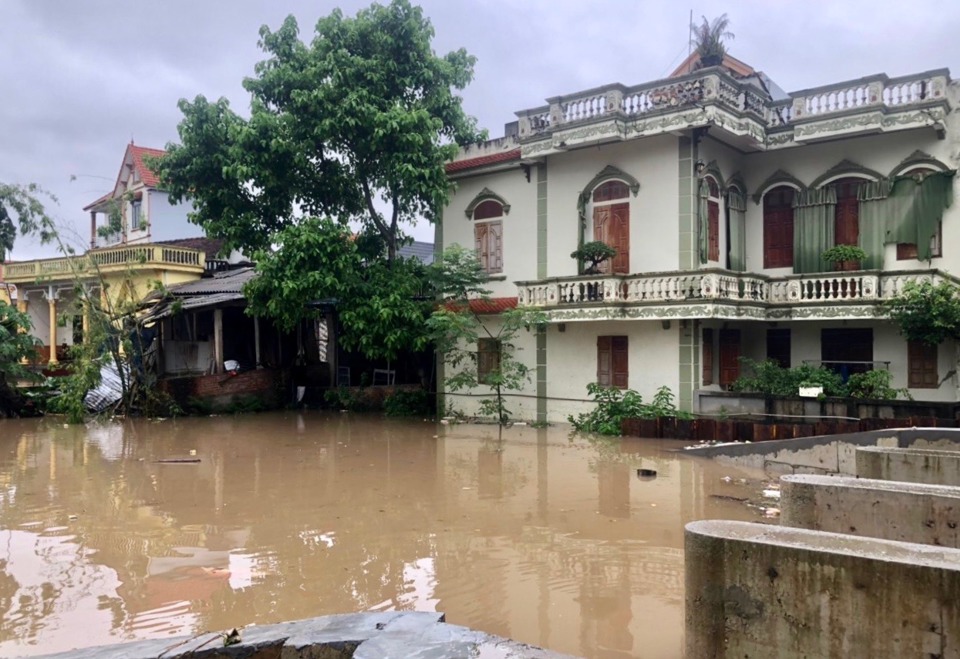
(908, 512)
(911, 465)
(353, 635)
(825, 454)
(754, 590)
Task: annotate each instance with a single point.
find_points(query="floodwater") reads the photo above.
(549, 540)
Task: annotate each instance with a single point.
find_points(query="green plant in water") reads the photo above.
(614, 405)
(404, 402)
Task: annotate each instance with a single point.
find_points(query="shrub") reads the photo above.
(614, 405)
(873, 385)
(407, 402)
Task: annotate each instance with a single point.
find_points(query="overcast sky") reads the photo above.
(79, 80)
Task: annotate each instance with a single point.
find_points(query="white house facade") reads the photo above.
(719, 193)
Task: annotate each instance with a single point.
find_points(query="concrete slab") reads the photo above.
(907, 512)
(931, 466)
(754, 590)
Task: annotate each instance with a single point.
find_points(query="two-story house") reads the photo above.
(138, 239)
(719, 193)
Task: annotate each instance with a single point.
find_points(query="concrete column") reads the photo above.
(256, 339)
(52, 302)
(218, 340)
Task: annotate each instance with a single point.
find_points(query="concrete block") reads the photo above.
(934, 467)
(756, 591)
(893, 510)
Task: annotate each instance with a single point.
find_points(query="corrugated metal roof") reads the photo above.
(228, 281)
(418, 250)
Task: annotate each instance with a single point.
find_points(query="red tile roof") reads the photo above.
(492, 305)
(470, 163)
(147, 175)
(730, 63)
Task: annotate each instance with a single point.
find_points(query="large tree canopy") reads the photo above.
(362, 118)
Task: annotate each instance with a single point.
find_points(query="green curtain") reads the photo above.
(736, 210)
(915, 209)
(703, 231)
(873, 216)
(813, 228)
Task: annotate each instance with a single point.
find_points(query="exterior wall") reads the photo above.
(519, 225)
(654, 210)
(168, 221)
(912, 465)
(881, 153)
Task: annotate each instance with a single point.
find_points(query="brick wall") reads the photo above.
(266, 384)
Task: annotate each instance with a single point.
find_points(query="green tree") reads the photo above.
(927, 312)
(15, 345)
(23, 203)
(456, 328)
(707, 39)
(363, 117)
(381, 308)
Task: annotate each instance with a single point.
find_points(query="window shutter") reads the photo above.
(604, 361)
(495, 231)
(713, 231)
(922, 366)
(618, 237)
(620, 361)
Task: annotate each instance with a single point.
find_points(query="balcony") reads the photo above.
(738, 107)
(107, 261)
(719, 294)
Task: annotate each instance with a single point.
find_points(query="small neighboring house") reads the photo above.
(156, 244)
(719, 193)
(146, 214)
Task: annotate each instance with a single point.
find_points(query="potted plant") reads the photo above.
(708, 39)
(844, 257)
(592, 255)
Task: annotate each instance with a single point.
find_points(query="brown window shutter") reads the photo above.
(601, 224)
(480, 240)
(707, 356)
(729, 356)
(618, 237)
(621, 361)
(604, 361)
(922, 366)
(778, 228)
(495, 230)
(488, 358)
(713, 231)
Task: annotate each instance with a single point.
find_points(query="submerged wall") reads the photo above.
(934, 467)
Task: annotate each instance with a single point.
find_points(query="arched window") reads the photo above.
(778, 227)
(611, 223)
(488, 235)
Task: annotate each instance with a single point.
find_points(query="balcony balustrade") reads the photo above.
(717, 86)
(721, 286)
(107, 260)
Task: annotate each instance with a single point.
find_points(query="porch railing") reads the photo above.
(720, 285)
(110, 259)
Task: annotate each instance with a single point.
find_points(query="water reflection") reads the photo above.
(548, 540)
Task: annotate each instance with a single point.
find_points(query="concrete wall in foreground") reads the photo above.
(811, 594)
(908, 512)
(934, 467)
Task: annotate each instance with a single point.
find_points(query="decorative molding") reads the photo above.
(736, 181)
(918, 159)
(713, 171)
(845, 168)
(610, 173)
(486, 195)
(779, 177)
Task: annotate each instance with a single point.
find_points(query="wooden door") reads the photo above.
(706, 356)
(729, 356)
(847, 224)
(611, 225)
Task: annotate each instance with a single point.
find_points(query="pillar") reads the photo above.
(52, 302)
(218, 340)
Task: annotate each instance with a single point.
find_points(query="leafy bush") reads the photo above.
(927, 312)
(344, 398)
(405, 402)
(841, 253)
(614, 405)
(874, 385)
(770, 379)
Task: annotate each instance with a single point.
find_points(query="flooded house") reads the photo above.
(719, 193)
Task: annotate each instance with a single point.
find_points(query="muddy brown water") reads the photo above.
(549, 540)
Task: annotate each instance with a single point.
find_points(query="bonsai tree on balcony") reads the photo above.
(844, 257)
(592, 255)
(707, 38)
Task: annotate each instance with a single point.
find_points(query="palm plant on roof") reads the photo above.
(707, 37)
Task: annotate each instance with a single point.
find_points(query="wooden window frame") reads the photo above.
(615, 196)
(778, 228)
(488, 238)
(713, 219)
(922, 366)
(488, 359)
(615, 352)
